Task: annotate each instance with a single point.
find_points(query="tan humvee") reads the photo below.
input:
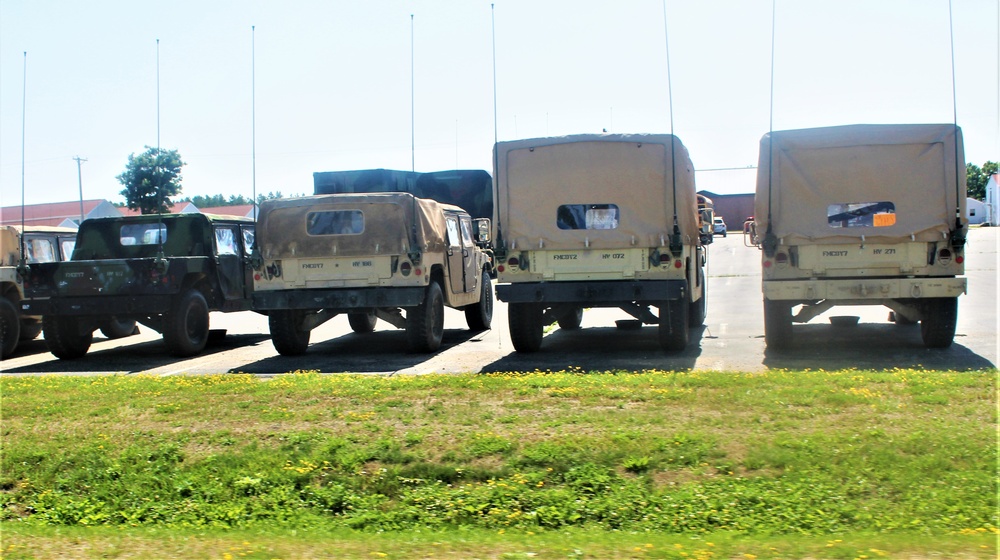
(598, 221)
(862, 215)
(371, 256)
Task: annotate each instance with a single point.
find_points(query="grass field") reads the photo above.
(805, 464)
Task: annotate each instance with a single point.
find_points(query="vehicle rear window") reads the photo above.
(143, 234)
(587, 216)
(861, 214)
(335, 222)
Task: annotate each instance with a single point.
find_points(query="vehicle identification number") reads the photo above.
(571, 257)
(834, 253)
(312, 265)
(883, 251)
(360, 264)
(613, 255)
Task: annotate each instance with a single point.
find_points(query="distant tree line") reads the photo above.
(214, 200)
(977, 177)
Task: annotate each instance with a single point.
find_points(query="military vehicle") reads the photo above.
(165, 271)
(371, 256)
(469, 189)
(862, 215)
(598, 221)
(41, 244)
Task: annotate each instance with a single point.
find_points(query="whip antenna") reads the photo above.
(253, 123)
(957, 238)
(22, 267)
(496, 155)
(770, 241)
(161, 260)
(413, 114)
(676, 246)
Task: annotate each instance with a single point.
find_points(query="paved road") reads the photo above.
(731, 340)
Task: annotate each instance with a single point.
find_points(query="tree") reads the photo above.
(976, 178)
(150, 179)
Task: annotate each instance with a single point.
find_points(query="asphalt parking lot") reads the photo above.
(731, 340)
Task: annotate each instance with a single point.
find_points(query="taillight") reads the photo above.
(959, 259)
(944, 256)
(513, 262)
(767, 264)
(781, 259)
(405, 268)
(664, 259)
(678, 263)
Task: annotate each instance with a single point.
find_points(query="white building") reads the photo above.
(993, 200)
(975, 211)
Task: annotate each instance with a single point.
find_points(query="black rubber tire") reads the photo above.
(30, 329)
(10, 327)
(525, 323)
(425, 322)
(363, 321)
(777, 324)
(479, 316)
(699, 307)
(65, 337)
(673, 330)
(937, 327)
(287, 335)
(572, 320)
(118, 328)
(185, 327)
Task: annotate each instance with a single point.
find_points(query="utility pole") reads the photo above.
(79, 176)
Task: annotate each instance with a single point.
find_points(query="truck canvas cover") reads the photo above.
(633, 172)
(10, 252)
(470, 189)
(388, 223)
(884, 183)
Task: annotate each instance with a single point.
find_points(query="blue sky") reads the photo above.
(333, 82)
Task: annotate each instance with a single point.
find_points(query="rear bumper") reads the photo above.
(103, 306)
(864, 289)
(595, 294)
(338, 299)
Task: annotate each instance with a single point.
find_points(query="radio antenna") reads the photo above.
(676, 245)
(22, 266)
(957, 237)
(770, 241)
(496, 155)
(413, 114)
(253, 122)
(156, 169)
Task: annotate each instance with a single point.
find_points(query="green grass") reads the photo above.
(818, 464)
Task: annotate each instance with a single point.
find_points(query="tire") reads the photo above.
(287, 335)
(479, 316)
(30, 329)
(673, 329)
(525, 322)
(10, 327)
(65, 337)
(572, 320)
(777, 324)
(699, 308)
(425, 322)
(937, 327)
(185, 327)
(362, 322)
(118, 328)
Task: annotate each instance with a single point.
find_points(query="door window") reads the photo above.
(453, 235)
(225, 241)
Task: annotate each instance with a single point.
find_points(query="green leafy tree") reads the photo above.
(150, 179)
(977, 177)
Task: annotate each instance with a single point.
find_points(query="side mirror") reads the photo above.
(482, 226)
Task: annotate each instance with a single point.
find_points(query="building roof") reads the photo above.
(241, 210)
(48, 214)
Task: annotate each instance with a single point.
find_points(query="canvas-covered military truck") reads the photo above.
(598, 221)
(469, 189)
(164, 271)
(371, 256)
(862, 215)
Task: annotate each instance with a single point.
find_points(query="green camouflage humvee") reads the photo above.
(371, 256)
(165, 271)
